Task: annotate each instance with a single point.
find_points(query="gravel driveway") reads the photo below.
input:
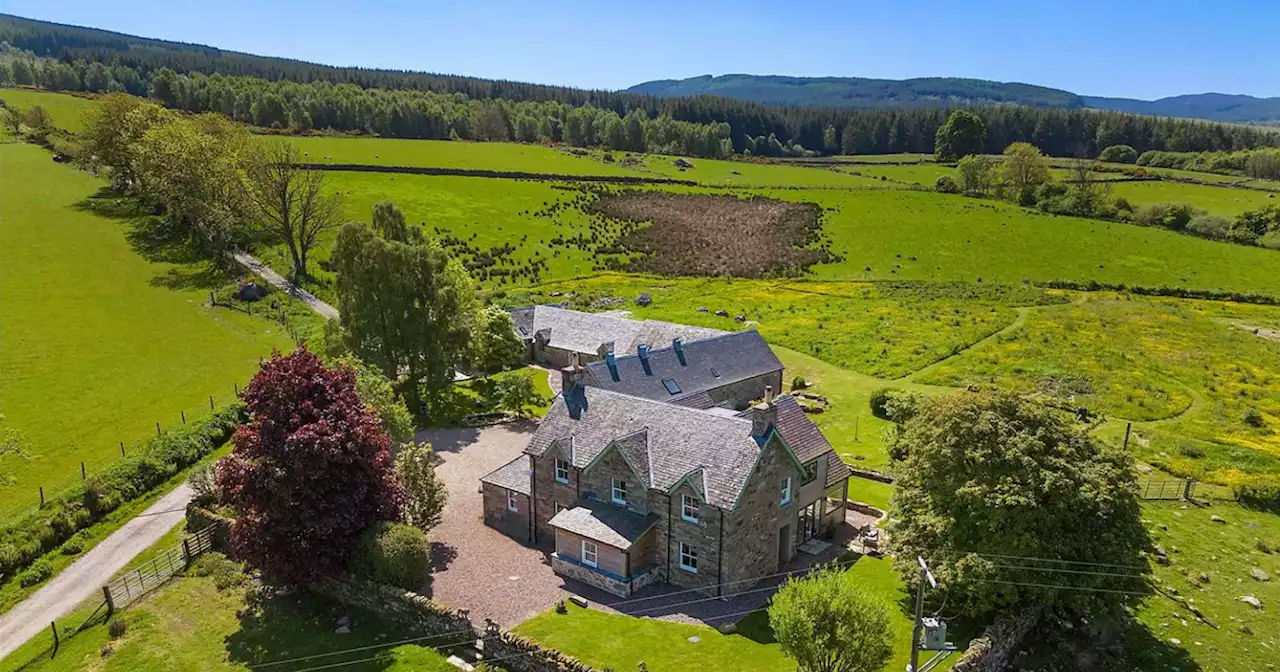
(476, 567)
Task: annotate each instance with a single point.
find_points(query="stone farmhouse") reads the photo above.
(633, 483)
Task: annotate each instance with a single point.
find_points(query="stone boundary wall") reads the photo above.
(199, 518)
(999, 643)
(871, 475)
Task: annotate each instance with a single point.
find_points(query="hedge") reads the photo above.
(27, 540)
(1177, 292)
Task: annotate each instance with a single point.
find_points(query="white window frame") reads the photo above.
(512, 504)
(614, 490)
(565, 469)
(786, 491)
(590, 548)
(690, 552)
(687, 503)
(557, 507)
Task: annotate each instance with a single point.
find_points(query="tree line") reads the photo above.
(422, 105)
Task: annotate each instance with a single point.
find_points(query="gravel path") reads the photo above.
(476, 567)
(279, 282)
(85, 577)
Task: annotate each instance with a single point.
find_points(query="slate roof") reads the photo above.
(607, 524)
(679, 440)
(514, 475)
(804, 437)
(708, 363)
(837, 470)
(576, 331)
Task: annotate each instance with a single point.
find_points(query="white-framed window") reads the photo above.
(786, 491)
(557, 507)
(688, 558)
(512, 504)
(689, 508)
(619, 492)
(562, 470)
(590, 554)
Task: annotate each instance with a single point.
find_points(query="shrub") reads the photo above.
(1119, 154)
(1263, 497)
(946, 185)
(1212, 227)
(1172, 216)
(799, 383)
(39, 571)
(1027, 196)
(1191, 451)
(116, 628)
(392, 553)
(1253, 418)
(77, 508)
(201, 481)
(879, 398)
(75, 545)
(225, 572)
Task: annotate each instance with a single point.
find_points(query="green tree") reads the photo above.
(977, 174)
(964, 133)
(163, 86)
(406, 309)
(829, 144)
(1023, 168)
(377, 392)
(6, 75)
(515, 393)
(289, 200)
(23, 72)
(984, 475)
(829, 623)
(389, 222)
(494, 343)
(425, 493)
(37, 118)
(1119, 154)
(111, 129)
(12, 119)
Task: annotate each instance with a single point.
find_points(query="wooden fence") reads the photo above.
(148, 576)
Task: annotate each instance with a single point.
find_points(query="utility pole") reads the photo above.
(937, 629)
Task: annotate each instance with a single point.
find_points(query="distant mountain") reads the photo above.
(860, 92)
(1213, 106)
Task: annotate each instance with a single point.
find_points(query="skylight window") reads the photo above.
(672, 386)
(714, 372)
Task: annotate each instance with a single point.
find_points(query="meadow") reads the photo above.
(67, 112)
(99, 343)
(1222, 201)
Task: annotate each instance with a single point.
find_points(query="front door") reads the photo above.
(784, 545)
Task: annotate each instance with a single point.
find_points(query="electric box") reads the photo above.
(935, 634)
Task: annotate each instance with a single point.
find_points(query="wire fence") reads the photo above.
(277, 315)
(137, 582)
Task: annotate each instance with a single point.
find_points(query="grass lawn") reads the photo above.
(621, 642)
(191, 624)
(96, 349)
(1222, 201)
(65, 110)
(505, 156)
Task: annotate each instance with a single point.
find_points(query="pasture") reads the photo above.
(99, 344)
(66, 111)
(1222, 201)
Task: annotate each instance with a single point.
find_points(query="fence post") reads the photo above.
(1186, 490)
(1147, 491)
(211, 402)
(54, 626)
(42, 496)
(82, 477)
(157, 429)
(1127, 428)
(122, 449)
(111, 603)
(237, 386)
(184, 417)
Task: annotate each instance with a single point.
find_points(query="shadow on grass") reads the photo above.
(301, 625)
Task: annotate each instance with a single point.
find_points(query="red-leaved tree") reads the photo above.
(310, 472)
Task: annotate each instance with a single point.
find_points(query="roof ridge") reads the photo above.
(666, 405)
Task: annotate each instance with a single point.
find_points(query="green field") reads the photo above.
(96, 349)
(1221, 201)
(192, 624)
(66, 111)
(611, 641)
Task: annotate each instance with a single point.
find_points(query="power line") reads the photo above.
(1062, 587)
(383, 645)
(1070, 571)
(1035, 559)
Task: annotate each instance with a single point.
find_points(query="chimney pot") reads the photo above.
(643, 351)
(678, 346)
(612, 363)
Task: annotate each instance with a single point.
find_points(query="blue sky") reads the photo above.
(1131, 48)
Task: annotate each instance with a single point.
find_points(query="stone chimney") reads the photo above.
(573, 389)
(764, 414)
(570, 375)
(643, 351)
(678, 346)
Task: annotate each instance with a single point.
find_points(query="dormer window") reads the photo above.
(786, 492)
(689, 508)
(619, 492)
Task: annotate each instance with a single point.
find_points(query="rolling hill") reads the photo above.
(860, 92)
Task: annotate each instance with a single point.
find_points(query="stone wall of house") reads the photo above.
(751, 537)
(608, 558)
(743, 392)
(199, 518)
(572, 570)
(547, 491)
(514, 524)
(703, 535)
(599, 478)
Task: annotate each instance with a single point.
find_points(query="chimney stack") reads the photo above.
(764, 414)
(570, 375)
(612, 363)
(572, 388)
(678, 346)
(643, 351)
